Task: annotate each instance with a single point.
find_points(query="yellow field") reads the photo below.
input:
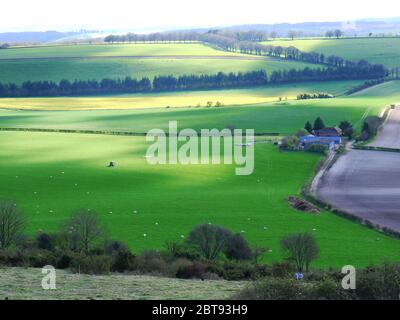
(177, 99)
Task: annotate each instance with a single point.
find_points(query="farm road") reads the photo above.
(389, 137)
(367, 183)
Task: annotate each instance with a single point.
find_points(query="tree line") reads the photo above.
(130, 85)
(318, 95)
(287, 53)
(81, 244)
(189, 36)
(248, 43)
(219, 80)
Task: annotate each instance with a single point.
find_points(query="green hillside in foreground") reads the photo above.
(51, 174)
(24, 284)
(86, 62)
(385, 51)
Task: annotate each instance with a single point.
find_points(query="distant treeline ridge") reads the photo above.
(188, 82)
(243, 42)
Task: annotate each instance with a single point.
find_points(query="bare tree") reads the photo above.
(258, 253)
(210, 240)
(338, 33)
(329, 34)
(302, 248)
(292, 34)
(83, 230)
(11, 223)
(273, 34)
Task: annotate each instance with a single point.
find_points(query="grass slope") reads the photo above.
(385, 51)
(115, 61)
(84, 69)
(25, 284)
(107, 50)
(282, 117)
(178, 99)
(51, 175)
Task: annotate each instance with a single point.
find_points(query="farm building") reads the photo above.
(328, 132)
(308, 141)
(310, 138)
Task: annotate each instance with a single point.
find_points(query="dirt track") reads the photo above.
(389, 137)
(367, 183)
(178, 57)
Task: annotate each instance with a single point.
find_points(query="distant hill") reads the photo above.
(350, 28)
(34, 37)
(359, 27)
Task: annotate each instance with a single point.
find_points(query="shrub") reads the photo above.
(373, 283)
(192, 270)
(364, 136)
(317, 148)
(175, 265)
(237, 271)
(272, 289)
(40, 258)
(234, 270)
(122, 258)
(321, 95)
(35, 258)
(347, 129)
(302, 132)
(290, 143)
(91, 264)
(177, 250)
(283, 269)
(379, 283)
(44, 241)
(64, 260)
(237, 248)
(371, 125)
(209, 240)
(150, 261)
(326, 289)
(13, 258)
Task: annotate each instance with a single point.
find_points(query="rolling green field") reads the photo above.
(385, 51)
(50, 175)
(111, 50)
(86, 62)
(282, 117)
(114, 68)
(178, 99)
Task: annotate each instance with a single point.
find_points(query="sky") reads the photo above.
(137, 15)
